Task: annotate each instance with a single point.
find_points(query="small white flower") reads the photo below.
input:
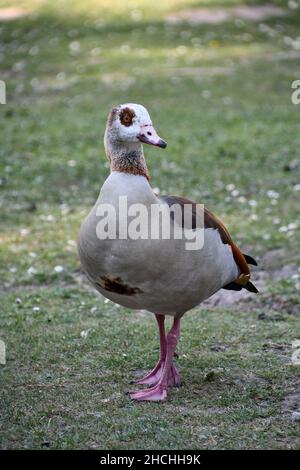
(296, 44)
(74, 47)
(24, 232)
(252, 203)
(84, 333)
(136, 15)
(293, 4)
(61, 76)
(58, 269)
(96, 51)
(235, 193)
(272, 194)
(264, 28)
(125, 48)
(47, 218)
(97, 414)
(287, 40)
(106, 301)
(31, 270)
(36, 309)
(296, 187)
(72, 163)
(226, 100)
(19, 66)
(253, 217)
(283, 229)
(182, 50)
(34, 50)
(230, 187)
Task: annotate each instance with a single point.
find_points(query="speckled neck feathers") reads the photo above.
(128, 160)
(123, 157)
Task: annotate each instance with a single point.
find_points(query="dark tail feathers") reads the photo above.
(234, 286)
(249, 286)
(249, 259)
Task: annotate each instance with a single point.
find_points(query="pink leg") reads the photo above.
(154, 376)
(159, 391)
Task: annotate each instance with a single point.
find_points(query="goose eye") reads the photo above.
(126, 117)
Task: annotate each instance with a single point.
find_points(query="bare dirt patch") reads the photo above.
(227, 298)
(13, 13)
(257, 13)
(291, 404)
(220, 15)
(273, 267)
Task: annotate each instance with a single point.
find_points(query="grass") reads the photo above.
(221, 96)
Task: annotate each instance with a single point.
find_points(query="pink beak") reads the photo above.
(149, 136)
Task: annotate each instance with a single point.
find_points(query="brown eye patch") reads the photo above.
(126, 116)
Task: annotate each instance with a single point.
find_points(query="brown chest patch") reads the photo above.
(126, 117)
(117, 285)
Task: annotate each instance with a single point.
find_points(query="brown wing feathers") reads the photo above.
(241, 260)
(211, 221)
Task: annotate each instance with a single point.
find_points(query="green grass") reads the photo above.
(221, 97)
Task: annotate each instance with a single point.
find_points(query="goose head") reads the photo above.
(129, 125)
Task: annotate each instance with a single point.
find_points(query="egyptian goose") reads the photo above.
(159, 275)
